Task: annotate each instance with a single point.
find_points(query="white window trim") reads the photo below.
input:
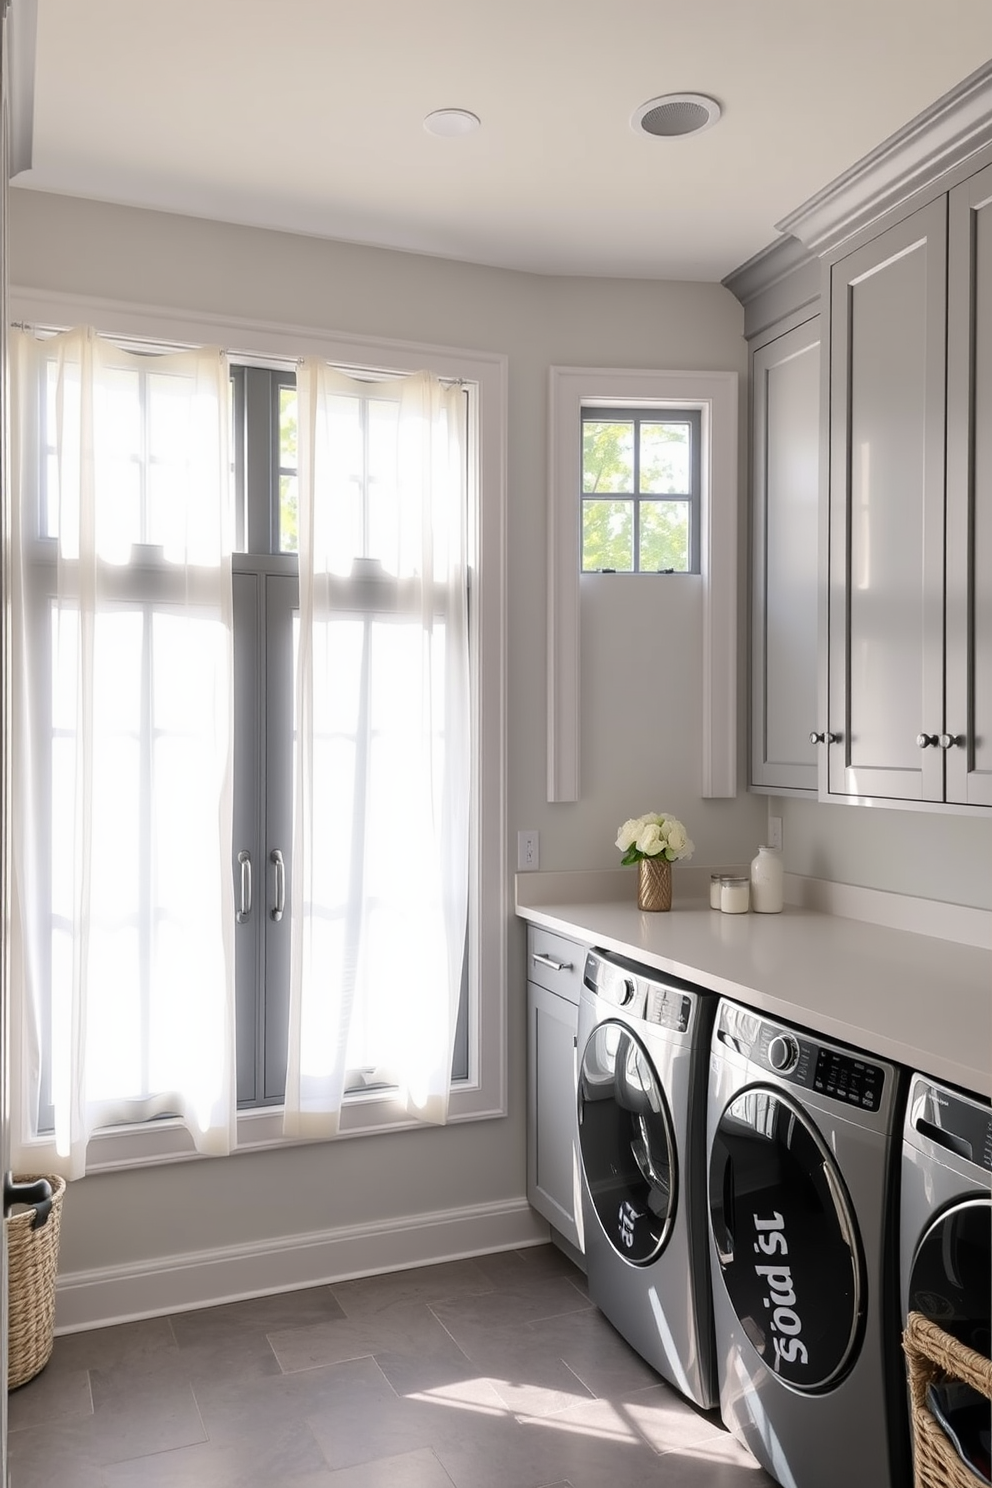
(715, 394)
(484, 1093)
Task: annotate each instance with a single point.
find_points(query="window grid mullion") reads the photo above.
(144, 873)
(143, 456)
(637, 492)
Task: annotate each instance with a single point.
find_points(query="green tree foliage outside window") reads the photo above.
(637, 492)
(289, 540)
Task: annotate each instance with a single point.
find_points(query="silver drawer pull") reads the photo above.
(244, 912)
(543, 960)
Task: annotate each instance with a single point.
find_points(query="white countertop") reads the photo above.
(923, 1001)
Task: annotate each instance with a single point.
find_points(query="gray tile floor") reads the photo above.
(487, 1373)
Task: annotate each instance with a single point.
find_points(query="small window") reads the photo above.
(640, 490)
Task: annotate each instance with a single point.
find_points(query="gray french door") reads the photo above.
(265, 607)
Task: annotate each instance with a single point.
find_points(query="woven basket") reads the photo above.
(933, 1356)
(32, 1261)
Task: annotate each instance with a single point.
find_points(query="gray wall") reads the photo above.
(641, 699)
(641, 660)
(925, 853)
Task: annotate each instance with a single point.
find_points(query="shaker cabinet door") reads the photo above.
(552, 1160)
(968, 723)
(785, 433)
(886, 558)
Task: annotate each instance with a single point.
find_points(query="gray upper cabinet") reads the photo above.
(902, 242)
(885, 640)
(785, 443)
(968, 721)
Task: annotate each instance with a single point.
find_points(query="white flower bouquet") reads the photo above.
(653, 836)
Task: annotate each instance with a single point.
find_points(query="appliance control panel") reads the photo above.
(667, 1008)
(834, 1072)
(655, 998)
(957, 1124)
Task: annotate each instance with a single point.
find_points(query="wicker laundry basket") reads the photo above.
(32, 1261)
(933, 1356)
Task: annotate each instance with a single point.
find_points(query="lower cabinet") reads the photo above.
(554, 977)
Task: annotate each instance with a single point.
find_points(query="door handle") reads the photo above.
(244, 909)
(276, 859)
(927, 741)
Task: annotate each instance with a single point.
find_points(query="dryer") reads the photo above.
(801, 1137)
(643, 1043)
(945, 1247)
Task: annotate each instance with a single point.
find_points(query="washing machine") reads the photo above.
(802, 1140)
(945, 1247)
(643, 1040)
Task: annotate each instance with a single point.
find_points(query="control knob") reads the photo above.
(625, 991)
(783, 1053)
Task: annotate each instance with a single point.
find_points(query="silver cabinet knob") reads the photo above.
(824, 738)
(947, 741)
(927, 741)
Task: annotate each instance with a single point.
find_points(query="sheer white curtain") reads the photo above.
(123, 913)
(382, 753)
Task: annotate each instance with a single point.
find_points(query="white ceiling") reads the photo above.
(306, 115)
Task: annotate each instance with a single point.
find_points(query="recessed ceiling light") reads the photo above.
(449, 122)
(675, 114)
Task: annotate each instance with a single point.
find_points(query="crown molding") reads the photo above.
(767, 268)
(942, 137)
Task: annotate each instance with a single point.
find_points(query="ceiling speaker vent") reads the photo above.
(675, 114)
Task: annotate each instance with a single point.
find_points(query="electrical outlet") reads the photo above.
(528, 851)
(775, 832)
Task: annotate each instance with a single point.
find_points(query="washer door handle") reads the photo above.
(725, 1245)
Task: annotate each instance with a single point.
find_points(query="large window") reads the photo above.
(154, 661)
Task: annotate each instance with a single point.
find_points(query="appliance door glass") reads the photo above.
(626, 1144)
(785, 1237)
(951, 1277)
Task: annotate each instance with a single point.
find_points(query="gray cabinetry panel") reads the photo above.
(969, 493)
(887, 325)
(551, 1168)
(785, 384)
(552, 1030)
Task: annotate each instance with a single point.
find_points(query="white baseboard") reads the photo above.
(179, 1283)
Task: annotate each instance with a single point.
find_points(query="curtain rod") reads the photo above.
(242, 358)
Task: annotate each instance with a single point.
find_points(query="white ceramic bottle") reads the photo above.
(767, 894)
